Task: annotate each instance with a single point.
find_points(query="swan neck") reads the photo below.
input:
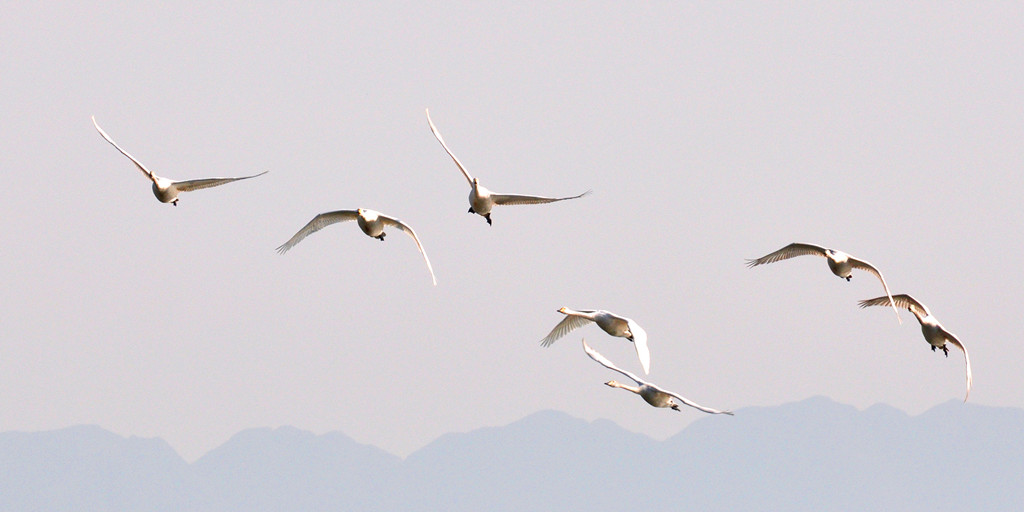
(921, 315)
(626, 387)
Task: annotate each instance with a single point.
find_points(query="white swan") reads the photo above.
(481, 200)
(165, 189)
(611, 323)
(839, 262)
(372, 223)
(933, 331)
(649, 392)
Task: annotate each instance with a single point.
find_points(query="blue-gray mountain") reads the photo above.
(812, 455)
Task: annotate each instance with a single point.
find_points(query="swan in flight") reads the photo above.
(611, 323)
(166, 190)
(649, 392)
(839, 262)
(481, 200)
(372, 223)
(933, 331)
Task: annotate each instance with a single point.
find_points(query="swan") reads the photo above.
(649, 392)
(372, 223)
(481, 200)
(839, 262)
(611, 323)
(165, 189)
(933, 331)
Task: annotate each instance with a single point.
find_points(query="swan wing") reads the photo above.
(693, 404)
(902, 300)
(318, 223)
(640, 343)
(510, 199)
(390, 221)
(790, 251)
(190, 185)
(596, 356)
(437, 135)
(123, 152)
(863, 265)
(568, 324)
(967, 361)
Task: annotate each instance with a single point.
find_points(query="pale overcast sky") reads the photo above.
(709, 133)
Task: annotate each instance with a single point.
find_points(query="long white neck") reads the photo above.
(585, 314)
(616, 384)
(921, 315)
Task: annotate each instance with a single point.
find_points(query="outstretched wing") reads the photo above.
(123, 152)
(596, 356)
(863, 265)
(693, 404)
(902, 300)
(568, 324)
(967, 360)
(437, 135)
(510, 199)
(190, 185)
(390, 221)
(790, 251)
(640, 343)
(318, 223)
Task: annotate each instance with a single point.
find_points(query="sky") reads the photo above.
(709, 133)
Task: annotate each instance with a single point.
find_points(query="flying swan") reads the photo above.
(611, 323)
(481, 200)
(933, 331)
(372, 223)
(165, 189)
(839, 262)
(649, 392)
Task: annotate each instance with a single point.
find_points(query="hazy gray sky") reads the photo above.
(709, 133)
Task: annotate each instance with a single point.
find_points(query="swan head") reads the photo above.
(563, 310)
(613, 383)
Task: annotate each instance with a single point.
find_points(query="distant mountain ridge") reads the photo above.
(811, 455)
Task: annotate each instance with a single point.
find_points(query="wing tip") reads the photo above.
(586, 347)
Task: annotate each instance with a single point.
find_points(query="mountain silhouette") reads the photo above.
(811, 455)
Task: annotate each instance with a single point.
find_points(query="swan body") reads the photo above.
(649, 392)
(840, 263)
(611, 323)
(936, 335)
(482, 200)
(166, 190)
(370, 222)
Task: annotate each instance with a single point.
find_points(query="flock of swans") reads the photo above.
(482, 201)
(842, 265)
